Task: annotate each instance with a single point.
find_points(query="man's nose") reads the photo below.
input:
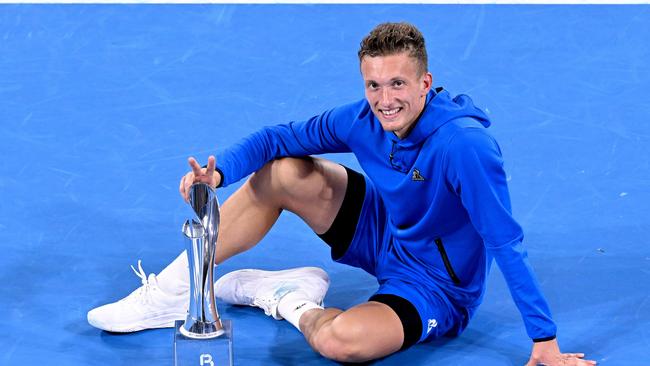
(385, 97)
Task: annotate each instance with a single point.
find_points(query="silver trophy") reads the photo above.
(201, 238)
(202, 338)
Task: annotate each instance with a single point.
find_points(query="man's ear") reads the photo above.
(427, 82)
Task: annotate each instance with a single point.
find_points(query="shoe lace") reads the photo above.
(269, 303)
(142, 294)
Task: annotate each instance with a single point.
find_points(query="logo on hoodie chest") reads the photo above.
(416, 176)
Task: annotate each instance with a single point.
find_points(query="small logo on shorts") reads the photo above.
(432, 324)
(417, 176)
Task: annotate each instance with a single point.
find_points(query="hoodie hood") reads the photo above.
(439, 109)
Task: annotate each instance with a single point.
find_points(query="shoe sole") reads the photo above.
(166, 321)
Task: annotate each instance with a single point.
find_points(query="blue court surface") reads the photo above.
(100, 106)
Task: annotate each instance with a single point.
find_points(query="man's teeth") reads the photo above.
(390, 112)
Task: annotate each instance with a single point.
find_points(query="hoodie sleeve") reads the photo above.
(325, 133)
(475, 172)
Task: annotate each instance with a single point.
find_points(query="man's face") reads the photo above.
(395, 91)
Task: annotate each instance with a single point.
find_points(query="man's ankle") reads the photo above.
(294, 305)
(175, 278)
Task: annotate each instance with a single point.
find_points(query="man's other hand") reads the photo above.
(548, 354)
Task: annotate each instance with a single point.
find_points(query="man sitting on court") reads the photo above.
(426, 220)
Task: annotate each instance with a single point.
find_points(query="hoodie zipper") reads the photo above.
(445, 260)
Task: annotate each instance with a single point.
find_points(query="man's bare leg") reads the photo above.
(313, 189)
(365, 332)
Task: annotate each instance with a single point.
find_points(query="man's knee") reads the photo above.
(283, 173)
(295, 179)
(343, 340)
(309, 187)
(289, 172)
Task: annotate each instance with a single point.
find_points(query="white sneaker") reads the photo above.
(264, 289)
(145, 308)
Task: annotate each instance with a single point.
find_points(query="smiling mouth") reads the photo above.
(389, 113)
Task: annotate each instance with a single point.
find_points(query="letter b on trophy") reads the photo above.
(202, 337)
(206, 359)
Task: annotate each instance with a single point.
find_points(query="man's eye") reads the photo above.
(398, 83)
(372, 85)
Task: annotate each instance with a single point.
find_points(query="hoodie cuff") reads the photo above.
(545, 339)
(218, 171)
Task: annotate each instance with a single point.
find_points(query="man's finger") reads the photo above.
(196, 168)
(212, 162)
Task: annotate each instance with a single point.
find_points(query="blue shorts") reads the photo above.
(359, 236)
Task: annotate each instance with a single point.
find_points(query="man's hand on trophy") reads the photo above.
(203, 175)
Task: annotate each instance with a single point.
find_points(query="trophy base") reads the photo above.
(203, 352)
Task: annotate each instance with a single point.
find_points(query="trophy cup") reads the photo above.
(202, 339)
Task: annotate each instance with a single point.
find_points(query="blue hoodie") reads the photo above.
(443, 186)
